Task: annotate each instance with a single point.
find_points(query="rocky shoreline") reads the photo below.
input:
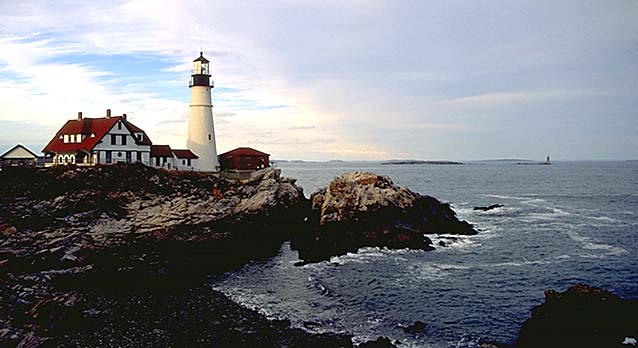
(90, 246)
(119, 255)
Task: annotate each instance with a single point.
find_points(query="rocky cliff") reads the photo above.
(139, 220)
(72, 239)
(582, 316)
(361, 209)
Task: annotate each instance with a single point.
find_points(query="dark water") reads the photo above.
(561, 224)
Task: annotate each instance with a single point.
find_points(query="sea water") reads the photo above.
(567, 223)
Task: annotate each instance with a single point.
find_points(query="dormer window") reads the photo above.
(66, 138)
(92, 135)
(140, 137)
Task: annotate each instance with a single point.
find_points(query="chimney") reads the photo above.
(80, 115)
(108, 113)
(124, 117)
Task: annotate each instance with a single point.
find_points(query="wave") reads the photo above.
(505, 197)
(588, 243)
(454, 242)
(602, 218)
(434, 271)
(521, 263)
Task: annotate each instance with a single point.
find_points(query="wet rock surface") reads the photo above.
(360, 209)
(581, 316)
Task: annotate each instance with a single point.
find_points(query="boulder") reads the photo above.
(489, 207)
(381, 342)
(416, 328)
(361, 209)
(582, 316)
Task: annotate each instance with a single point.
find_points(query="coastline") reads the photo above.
(70, 296)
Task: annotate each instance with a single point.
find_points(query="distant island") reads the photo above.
(395, 162)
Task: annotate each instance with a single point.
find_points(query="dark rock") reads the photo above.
(490, 207)
(381, 342)
(582, 316)
(361, 209)
(416, 328)
(142, 221)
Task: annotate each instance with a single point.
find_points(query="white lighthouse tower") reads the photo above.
(201, 131)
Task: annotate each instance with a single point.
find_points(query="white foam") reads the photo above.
(368, 255)
(630, 341)
(454, 242)
(588, 243)
(434, 271)
(602, 218)
(562, 257)
(506, 197)
(521, 263)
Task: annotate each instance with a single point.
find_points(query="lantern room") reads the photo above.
(201, 72)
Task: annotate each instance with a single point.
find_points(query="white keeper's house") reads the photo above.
(111, 139)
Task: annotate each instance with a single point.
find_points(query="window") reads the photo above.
(108, 156)
(78, 138)
(188, 161)
(66, 138)
(124, 139)
(113, 139)
(128, 156)
(119, 154)
(209, 137)
(140, 137)
(119, 125)
(157, 161)
(183, 162)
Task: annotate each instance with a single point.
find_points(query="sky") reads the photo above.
(320, 80)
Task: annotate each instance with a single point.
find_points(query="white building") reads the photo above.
(201, 130)
(162, 156)
(91, 141)
(19, 156)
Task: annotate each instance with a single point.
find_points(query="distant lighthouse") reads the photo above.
(201, 131)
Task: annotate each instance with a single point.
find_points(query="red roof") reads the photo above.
(184, 154)
(87, 126)
(161, 151)
(245, 151)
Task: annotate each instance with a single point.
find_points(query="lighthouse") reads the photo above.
(201, 131)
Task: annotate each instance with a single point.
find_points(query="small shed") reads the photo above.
(244, 158)
(20, 156)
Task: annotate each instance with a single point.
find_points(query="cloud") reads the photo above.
(376, 78)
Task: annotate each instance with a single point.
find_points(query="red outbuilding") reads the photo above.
(244, 158)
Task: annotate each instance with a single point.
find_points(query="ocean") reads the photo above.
(568, 223)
